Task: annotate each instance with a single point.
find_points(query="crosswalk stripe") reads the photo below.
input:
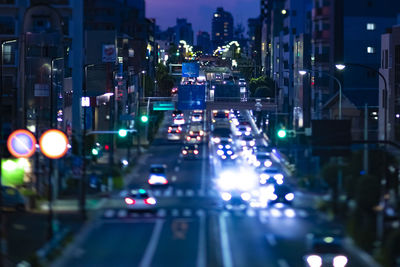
(157, 193)
(187, 212)
(189, 192)
(200, 192)
(179, 193)
(168, 192)
(251, 213)
(161, 213)
(200, 212)
(122, 213)
(302, 213)
(175, 212)
(109, 213)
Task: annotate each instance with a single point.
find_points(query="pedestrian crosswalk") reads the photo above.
(264, 215)
(182, 193)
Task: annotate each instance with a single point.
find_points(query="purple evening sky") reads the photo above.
(199, 12)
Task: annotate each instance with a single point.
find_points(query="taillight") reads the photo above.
(184, 152)
(188, 138)
(180, 128)
(129, 201)
(198, 138)
(196, 152)
(169, 130)
(201, 132)
(150, 201)
(191, 132)
(178, 131)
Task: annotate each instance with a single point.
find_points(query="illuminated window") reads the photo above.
(370, 50)
(371, 26)
(217, 34)
(216, 15)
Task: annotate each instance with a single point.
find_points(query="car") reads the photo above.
(177, 113)
(179, 120)
(193, 138)
(139, 199)
(235, 201)
(243, 130)
(271, 172)
(242, 82)
(12, 199)
(246, 141)
(190, 151)
(174, 132)
(325, 250)
(261, 160)
(158, 174)
(197, 117)
(282, 194)
(196, 128)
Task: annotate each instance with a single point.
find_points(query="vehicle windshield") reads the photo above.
(157, 170)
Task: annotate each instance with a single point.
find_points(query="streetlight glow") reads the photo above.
(340, 66)
(302, 72)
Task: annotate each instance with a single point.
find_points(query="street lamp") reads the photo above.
(343, 66)
(304, 71)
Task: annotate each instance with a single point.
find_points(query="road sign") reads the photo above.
(53, 144)
(21, 143)
(164, 105)
(190, 69)
(191, 97)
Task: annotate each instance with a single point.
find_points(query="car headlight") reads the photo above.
(234, 156)
(257, 163)
(245, 196)
(274, 197)
(220, 152)
(226, 196)
(264, 176)
(340, 261)
(267, 163)
(314, 261)
(289, 197)
(216, 140)
(229, 152)
(278, 176)
(223, 157)
(252, 143)
(243, 143)
(220, 146)
(227, 146)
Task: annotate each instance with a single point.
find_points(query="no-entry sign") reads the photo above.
(21, 143)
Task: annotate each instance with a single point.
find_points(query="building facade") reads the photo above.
(221, 28)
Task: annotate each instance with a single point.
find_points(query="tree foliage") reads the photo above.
(165, 82)
(264, 82)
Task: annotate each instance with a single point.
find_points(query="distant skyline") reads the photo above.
(199, 12)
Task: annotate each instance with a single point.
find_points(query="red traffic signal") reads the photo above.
(107, 147)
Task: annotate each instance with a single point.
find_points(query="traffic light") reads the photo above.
(95, 152)
(281, 133)
(122, 133)
(144, 118)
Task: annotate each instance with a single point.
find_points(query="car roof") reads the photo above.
(158, 166)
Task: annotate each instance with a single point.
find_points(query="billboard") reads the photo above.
(191, 97)
(109, 54)
(190, 70)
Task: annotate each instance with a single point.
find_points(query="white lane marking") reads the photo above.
(177, 169)
(271, 239)
(109, 213)
(201, 247)
(157, 193)
(152, 245)
(283, 263)
(189, 192)
(187, 213)
(179, 192)
(302, 213)
(175, 212)
(173, 178)
(179, 161)
(134, 214)
(161, 213)
(225, 248)
(263, 216)
(203, 168)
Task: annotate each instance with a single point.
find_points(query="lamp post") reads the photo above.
(304, 72)
(85, 105)
(380, 215)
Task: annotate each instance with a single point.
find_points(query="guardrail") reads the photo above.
(43, 255)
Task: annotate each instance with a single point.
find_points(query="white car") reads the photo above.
(139, 199)
(179, 120)
(196, 117)
(174, 132)
(158, 174)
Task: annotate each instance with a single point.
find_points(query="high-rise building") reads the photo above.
(183, 31)
(254, 35)
(222, 27)
(348, 32)
(204, 42)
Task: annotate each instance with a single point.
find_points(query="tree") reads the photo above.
(262, 81)
(165, 82)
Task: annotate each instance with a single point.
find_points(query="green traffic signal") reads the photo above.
(95, 152)
(122, 132)
(281, 133)
(144, 118)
